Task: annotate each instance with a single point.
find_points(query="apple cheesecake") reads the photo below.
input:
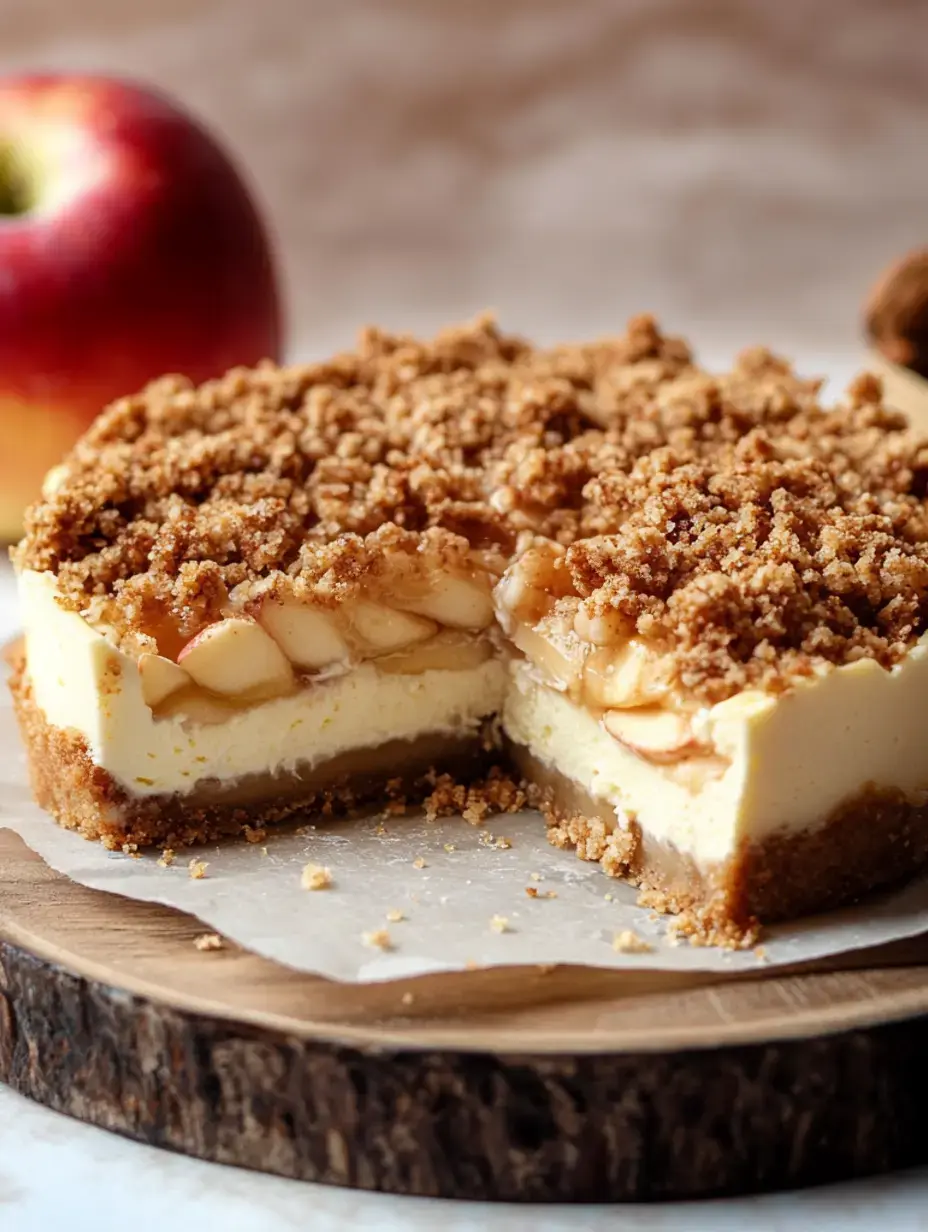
(687, 610)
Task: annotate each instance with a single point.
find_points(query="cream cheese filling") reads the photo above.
(782, 763)
(82, 683)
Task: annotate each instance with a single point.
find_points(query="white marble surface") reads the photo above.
(57, 1174)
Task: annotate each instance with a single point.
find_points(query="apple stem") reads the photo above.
(17, 188)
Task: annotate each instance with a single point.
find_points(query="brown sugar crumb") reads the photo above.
(378, 939)
(399, 453)
(395, 916)
(254, 835)
(498, 842)
(419, 862)
(167, 858)
(500, 924)
(316, 877)
(628, 942)
(208, 941)
(701, 926)
(534, 892)
(497, 793)
(197, 869)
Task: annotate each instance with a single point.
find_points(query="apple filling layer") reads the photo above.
(244, 710)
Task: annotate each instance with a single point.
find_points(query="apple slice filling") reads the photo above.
(242, 660)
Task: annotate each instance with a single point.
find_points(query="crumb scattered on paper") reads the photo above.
(394, 915)
(378, 939)
(497, 842)
(167, 858)
(197, 869)
(208, 941)
(418, 862)
(316, 877)
(536, 876)
(628, 942)
(500, 924)
(449, 847)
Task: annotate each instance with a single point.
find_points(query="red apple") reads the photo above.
(129, 247)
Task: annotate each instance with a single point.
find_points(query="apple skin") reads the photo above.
(142, 253)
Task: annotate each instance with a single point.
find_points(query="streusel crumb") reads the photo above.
(208, 941)
(731, 520)
(316, 877)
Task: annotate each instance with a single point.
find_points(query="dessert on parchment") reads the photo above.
(689, 610)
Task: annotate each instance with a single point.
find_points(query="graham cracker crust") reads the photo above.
(876, 839)
(83, 797)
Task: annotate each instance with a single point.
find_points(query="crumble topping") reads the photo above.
(750, 533)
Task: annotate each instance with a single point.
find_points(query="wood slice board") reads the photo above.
(512, 1084)
(903, 389)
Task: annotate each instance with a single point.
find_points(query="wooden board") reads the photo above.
(902, 389)
(518, 1084)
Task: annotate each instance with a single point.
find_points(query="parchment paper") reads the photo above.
(452, 906)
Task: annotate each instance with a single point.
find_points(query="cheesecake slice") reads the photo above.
(688, 611)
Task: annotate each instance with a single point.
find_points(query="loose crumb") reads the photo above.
(208, 941)
(316, 877)
(419, 862)
(534, 892)
(378, 939)
(254, 836)
(394, 915)
(536, 876)
(408, 998)
(628, 942)
(497, 842)
(449, 847)
(197, 869)
(500, 924)
(608, 897)
(167, 857)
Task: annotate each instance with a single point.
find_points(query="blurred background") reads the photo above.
(742, 169)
